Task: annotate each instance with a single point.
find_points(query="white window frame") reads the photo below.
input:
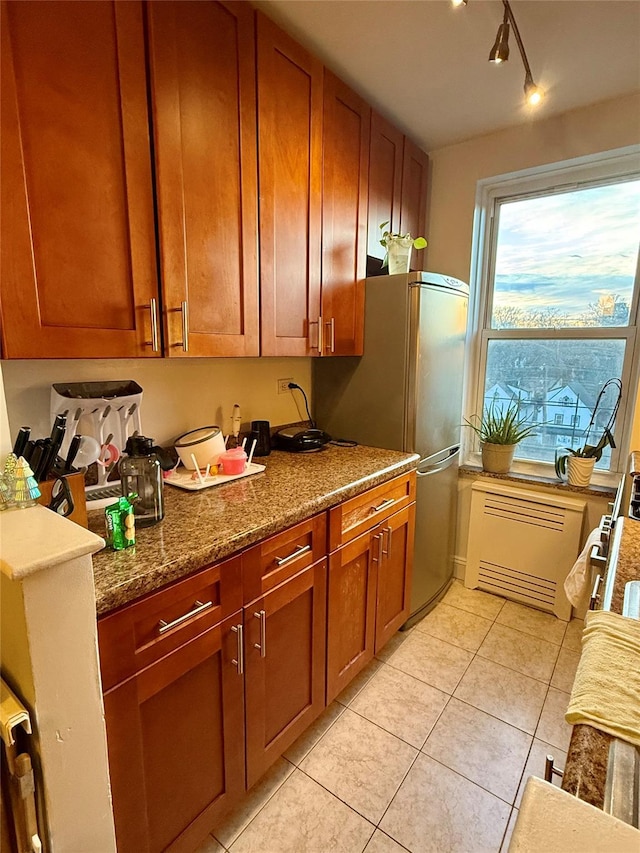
(621, 164)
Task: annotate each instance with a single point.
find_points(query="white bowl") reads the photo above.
(205, 443)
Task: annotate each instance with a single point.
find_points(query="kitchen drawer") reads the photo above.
(142, 633)
(281, 556)
(363, 512)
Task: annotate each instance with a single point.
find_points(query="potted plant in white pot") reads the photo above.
(574, 465)
(398, 248)
(500, 430)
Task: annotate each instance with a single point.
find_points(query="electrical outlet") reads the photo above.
(283, 386)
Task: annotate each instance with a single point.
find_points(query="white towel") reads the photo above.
(577, 584)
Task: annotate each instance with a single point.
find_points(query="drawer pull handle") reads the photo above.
(198, 607)
(238, 661)
(300, 550)
(262, 645)
(389, 533)
(386, 503)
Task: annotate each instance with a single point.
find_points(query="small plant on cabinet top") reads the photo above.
(406, 240)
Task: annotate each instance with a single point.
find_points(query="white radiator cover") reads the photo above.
(523, 543)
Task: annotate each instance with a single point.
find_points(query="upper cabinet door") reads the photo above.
(347, 124)
(385, 181)
(204, 102)
(78, 243)
(413, 216)
(290, 176)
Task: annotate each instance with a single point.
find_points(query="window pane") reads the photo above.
(567, 260)
(557, 383)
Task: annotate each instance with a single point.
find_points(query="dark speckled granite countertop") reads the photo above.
(586, 767)
(202, 527)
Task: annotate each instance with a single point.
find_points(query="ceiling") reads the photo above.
(423, 64)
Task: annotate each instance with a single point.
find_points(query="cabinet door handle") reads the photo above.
(595, 593)
(238, 661)
(153, 307)
(317, 323)
(389, 533)
(299, 551)
(378, 540)
(184, 309)
(332, 334)
(198, 607)
(386, 503)
(262, 645)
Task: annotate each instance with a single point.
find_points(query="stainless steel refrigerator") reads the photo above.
(405, 393)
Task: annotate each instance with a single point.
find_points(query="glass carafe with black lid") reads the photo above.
(141, 473)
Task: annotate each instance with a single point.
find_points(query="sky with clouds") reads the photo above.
(566, 250)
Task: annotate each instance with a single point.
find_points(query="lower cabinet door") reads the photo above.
(284, 665)
(394, 573)
(175, 735)
(353, 572)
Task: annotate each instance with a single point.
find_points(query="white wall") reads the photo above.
(179, 394)
(456, 170)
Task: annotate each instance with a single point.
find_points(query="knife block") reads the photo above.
(76, 484)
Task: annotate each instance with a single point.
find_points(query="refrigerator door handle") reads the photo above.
(439, 461)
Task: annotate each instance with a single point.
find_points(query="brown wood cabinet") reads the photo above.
(209, 680)
(290, 180)
(78, 243)
(385, 181)
(347, 122)
(369, 576)
(413, 212)
(202, 69)
(285, 665)
(176, 744)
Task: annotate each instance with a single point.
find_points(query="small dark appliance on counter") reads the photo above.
(298, 440)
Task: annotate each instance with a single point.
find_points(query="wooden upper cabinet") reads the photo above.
(204, 101)
(290, 177)
(347, 123)
(413, 215)
(385, 181)
(78, 243)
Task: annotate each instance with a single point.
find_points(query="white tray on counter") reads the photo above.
(182, 478)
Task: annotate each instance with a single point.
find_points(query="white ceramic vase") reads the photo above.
(579, 470)
(399, 255)
(497, 458)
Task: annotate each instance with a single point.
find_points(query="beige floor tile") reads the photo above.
(351, 690)
(360, 763)
(485, 750)
(230, 828)
(304, 818)
(210, 845)
(565, 669)
(513, 817)
(431, 660)
(310, 738)
(456, 626)
(473, 600)
(400, 704)
(553, 727)
(381, 843)
(534, 622)
(504, 693)
(530, 655)
(394, 644)
(535, 765)
(438, 810)
(573, 635)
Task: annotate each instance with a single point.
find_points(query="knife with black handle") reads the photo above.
(55, 443)
(21, 440)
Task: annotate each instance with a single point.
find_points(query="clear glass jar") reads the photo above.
(141, 473)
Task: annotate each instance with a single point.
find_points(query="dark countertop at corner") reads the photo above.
(200, 528)
(585, 771)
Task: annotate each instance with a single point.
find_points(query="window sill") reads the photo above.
(551, 483)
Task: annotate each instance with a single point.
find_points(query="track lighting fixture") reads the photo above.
(500, 51)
